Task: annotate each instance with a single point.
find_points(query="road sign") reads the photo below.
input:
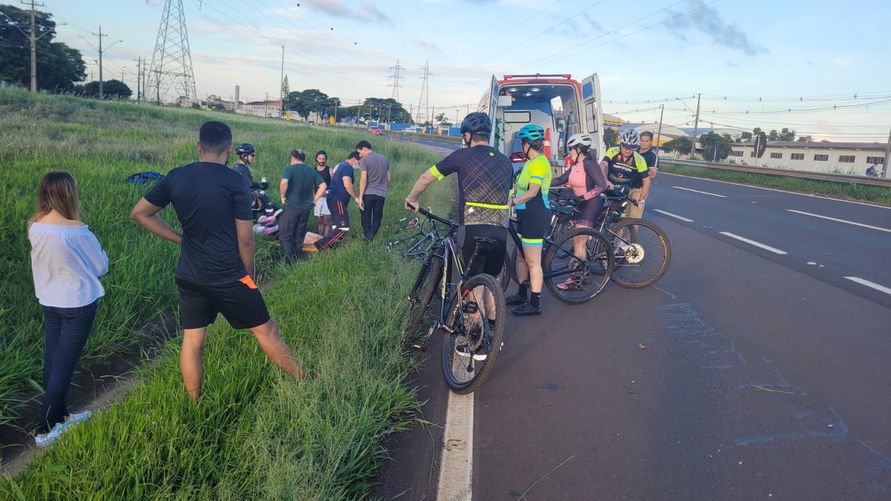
(760, 144)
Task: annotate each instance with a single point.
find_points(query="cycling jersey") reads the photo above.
(535, 171)
(623, 170)
(484, 181)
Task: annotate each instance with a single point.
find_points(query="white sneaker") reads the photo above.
(50, 437)
(79, 417)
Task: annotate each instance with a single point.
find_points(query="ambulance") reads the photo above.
(560, 105)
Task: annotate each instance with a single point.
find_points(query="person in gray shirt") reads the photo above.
(373, 183)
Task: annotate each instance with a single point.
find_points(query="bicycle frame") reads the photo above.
(548, 241)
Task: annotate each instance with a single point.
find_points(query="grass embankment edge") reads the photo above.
(844, 191)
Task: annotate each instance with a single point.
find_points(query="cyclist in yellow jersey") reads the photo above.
(533, 220)
(624, 166)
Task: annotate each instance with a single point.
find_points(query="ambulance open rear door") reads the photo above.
(592, 112)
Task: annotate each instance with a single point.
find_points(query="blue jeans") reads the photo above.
(65, 334)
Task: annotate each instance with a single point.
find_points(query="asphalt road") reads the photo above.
(742, 374)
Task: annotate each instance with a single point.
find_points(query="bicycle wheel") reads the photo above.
(574, 280)
(473, 333)
(420, 296)
(642, 252)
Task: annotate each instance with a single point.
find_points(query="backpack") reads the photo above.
(144, 177)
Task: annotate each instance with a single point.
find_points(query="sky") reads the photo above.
(819, 67)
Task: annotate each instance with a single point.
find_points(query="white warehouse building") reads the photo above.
(825, 157)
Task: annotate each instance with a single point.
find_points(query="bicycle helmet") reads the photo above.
(531, 132)
(630, 138)
(476, 123)
(245, 149)
(582, 141)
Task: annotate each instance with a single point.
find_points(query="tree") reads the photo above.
(441, 117)
(307, 101)
(681, 144)
(610, 136)
(715, 147)
(111, 89)
(58, 66)
(745, 137)
(786, 134)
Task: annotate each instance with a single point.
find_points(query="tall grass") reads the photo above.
(878, 194)
(101, 143)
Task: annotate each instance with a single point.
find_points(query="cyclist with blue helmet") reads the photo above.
(533, 220)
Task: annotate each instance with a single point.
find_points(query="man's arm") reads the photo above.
(246, 244)
(424, 180)
(146, 214)
(320, 192)
(388, 178)
(348, 186)
(363, 180)
(283, 188)
(644, 189)
(604, 167)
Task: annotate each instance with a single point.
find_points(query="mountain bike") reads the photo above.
(641, 248)
(471, 314)
(412, 240)
(589, 274)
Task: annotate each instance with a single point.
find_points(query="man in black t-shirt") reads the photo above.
(216, 261)
(647, 152)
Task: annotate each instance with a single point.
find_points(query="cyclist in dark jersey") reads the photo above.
(623, 165)
(484, 181)
(246, 154)
(533, 219)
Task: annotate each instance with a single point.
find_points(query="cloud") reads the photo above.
(708, 21)
(336, 8)
(425, 44)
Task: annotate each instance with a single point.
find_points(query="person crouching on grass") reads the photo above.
(216, 262)
(66, 262)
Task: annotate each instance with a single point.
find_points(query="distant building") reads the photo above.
(827, 157)
(271, 108)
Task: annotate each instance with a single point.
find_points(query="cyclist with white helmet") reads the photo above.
(623, 165)
(587, 182)
(533, 219)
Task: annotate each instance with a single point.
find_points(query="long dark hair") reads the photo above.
(58, 190)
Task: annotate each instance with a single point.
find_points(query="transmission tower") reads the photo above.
(171, 68)
(424, 101)
(395, 76)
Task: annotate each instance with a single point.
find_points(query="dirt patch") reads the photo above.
(97, 385)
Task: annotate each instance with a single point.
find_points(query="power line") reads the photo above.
(171, 67)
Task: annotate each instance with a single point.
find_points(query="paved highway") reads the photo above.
(757, 368)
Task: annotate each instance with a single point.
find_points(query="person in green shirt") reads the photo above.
(533, 220)
(301, 186)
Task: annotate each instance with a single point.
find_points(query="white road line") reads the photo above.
(669, 214)
(456, 466)
(697, 191)
(752, 242)
(809, 195)
(880, 288)
(840, 220)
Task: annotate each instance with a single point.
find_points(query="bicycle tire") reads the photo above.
(509, 270)
(466, 374)
(591, 277)
(420, 296)
(646, 239)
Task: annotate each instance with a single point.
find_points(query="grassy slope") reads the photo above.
(257, 433)
(876, 194)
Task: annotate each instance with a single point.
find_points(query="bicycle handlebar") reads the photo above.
(425, 212)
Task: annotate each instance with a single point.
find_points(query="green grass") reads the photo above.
(850, 191)
(256, 433)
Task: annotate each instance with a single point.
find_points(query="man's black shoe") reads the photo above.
(515, 300)
(526, 309)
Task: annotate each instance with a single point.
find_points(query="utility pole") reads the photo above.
(695, 127)
(34, 44)
(100, 35)
(281, 84)
(887, 156)
(424, 101)
(396, 76)
(138, 79)
(659, 133)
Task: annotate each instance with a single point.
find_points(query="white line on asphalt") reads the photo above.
(752, 242)
(669, 214)
(697, 191)
(456, 466)
(867, 283)
(840, 220)
(809, 195)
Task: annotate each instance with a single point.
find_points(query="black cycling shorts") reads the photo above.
(588, 212)
(490, 259)
(533, 224)
(240, 302)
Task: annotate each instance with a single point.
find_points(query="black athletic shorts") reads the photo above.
(533, 224)
(240, 302)
(491, 261)
(588, 211)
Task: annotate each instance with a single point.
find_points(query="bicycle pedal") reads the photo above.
(470, 307)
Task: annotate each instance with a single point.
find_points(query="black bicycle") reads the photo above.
(589, 274)
(641, 248)
(472, 313)
(412, 238)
